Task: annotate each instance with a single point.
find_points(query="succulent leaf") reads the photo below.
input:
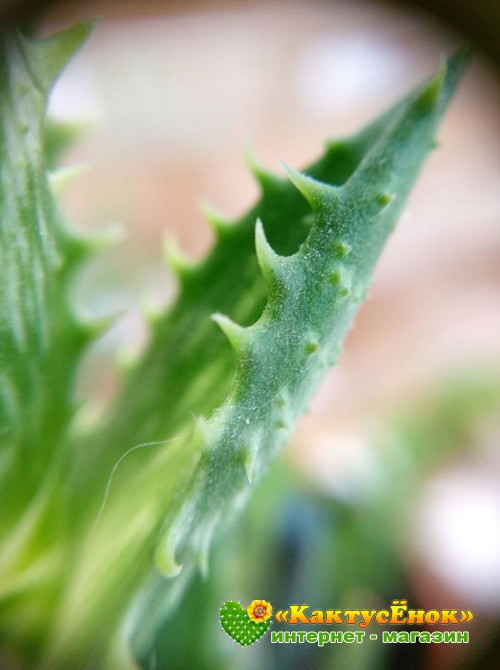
(41, 338)
(313, 297)
(194, 425)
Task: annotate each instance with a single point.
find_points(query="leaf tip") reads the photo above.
(235, 333)
(266, 179)
(249, 458)
(98, 327)
(428, 98)
(220, 224)
(61, 178)
(315, 192)
(104, 239)
(47, 58)
(269, 260)
(177, 261)
(166, 563)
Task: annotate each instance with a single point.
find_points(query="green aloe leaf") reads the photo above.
(41, 340)
(313, 295)
(88, 514)
(355, 192)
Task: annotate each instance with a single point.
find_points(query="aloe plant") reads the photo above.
(104, 523)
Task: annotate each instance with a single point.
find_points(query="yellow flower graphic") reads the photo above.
(259, 611)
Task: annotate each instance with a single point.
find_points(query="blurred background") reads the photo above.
(391, 487)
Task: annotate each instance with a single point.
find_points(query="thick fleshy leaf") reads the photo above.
(195, 424)
(316, 278)
(40, 339)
